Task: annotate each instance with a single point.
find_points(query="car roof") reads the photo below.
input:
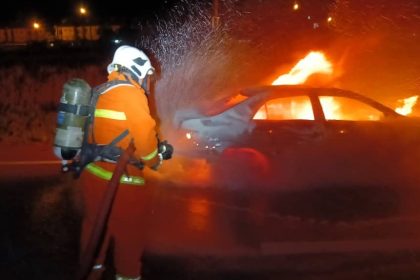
(273, 91)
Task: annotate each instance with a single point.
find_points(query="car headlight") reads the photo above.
(202, 143)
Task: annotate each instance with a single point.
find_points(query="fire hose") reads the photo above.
(96, 239)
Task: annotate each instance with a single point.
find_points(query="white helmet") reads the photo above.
(133, 60)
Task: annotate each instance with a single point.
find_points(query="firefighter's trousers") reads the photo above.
(128, 223)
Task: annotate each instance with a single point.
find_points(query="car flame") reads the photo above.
(315, 62)
(407, 105)
(312, 63)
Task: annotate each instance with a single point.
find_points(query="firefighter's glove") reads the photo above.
(165, 150)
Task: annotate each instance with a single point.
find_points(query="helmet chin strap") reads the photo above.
(143, 83)
(146, 84)
(129, 73)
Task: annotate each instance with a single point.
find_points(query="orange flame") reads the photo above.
(314, 62)
(331, 107)
(407, 105)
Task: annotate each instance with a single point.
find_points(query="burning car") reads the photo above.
(297, 136)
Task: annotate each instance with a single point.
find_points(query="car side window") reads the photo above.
(286, 108)
(348, 109)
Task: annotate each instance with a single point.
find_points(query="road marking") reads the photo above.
(25, 162)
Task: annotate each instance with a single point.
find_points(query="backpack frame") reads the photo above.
(90, 150)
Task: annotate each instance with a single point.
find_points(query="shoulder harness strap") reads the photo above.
(92, 151)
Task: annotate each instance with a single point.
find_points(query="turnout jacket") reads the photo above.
(120, 107)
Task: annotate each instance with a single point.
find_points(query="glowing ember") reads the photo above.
(407, 105)
(314, 62)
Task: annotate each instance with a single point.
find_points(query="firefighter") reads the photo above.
(123, 106)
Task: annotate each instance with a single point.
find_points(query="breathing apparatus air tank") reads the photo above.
(73, 112)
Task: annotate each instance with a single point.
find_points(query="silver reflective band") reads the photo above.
(119, 277)
(97, 267)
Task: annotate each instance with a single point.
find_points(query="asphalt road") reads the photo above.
(213, 233)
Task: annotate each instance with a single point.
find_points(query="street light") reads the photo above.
(296, 6)
(36, 25)
(82, 19)
(37, 34)
(82, 11)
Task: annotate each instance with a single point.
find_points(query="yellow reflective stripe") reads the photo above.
(120, 277)
(107, 175)
(151, 155)
(110, 114)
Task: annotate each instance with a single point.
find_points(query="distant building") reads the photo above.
(74, 33)
(64, 33)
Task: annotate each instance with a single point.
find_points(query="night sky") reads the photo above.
(19, 11)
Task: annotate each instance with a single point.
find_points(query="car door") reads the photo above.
(288, 131)
(360, 144)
